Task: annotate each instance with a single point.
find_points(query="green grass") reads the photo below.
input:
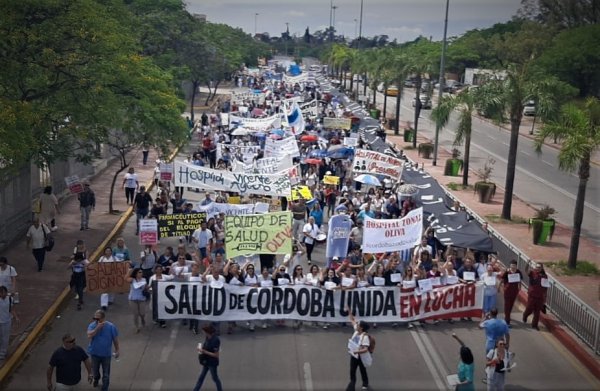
(583, 268)
(515, 219)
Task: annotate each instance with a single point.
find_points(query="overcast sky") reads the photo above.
(401, 19)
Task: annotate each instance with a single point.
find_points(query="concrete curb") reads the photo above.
(24, 347)
(572, 345)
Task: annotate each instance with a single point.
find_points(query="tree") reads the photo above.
(578, 126)
(563, 13)
(465, 102)
(574, 56)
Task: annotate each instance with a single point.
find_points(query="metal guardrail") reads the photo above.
(578, 316)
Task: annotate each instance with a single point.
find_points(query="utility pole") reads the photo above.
(255, 22)
(287, 36)
(442, 83)
(333, 25)
(331, 21)
(360, 28)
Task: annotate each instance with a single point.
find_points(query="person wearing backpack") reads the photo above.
(7, 313)
(360, 348)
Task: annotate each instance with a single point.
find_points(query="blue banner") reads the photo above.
(338, 236)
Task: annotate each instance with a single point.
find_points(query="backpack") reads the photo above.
(371, 343)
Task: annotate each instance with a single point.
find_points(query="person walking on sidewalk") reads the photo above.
(8, 278)
(130, 184)
(67, 360)
(142, 204)
(49, 208)
(7, 314)
(78, 265)
(536, 294)
(103, 335)
(511, 283)
(87, 202)
(36, 240)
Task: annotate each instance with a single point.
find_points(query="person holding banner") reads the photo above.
(107, 298)
(159, 276)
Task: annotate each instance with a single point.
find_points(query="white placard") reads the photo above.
(371, 162)
(469, 276)
(409, 284)
(139, 284)
(489, 280)
(436, 281)
(266, 283)
(216, 284)
(347, 282)
(425, 285)
(545, 283)
(378, 281)
(514, 277)
(451, 280)
(396, 277)
(330, 285)
(283, 281)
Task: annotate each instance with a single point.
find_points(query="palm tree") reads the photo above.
(465, 102)
(499, 98)
(579, 129)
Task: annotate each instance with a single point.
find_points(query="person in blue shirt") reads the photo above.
(466, 368)
(495, 329)
(366, 212)
(103, 335)
(317, 214)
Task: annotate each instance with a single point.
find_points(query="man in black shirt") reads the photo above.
(142, 204)
(67, 360)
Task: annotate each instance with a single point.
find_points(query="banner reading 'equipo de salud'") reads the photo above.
(269, 233)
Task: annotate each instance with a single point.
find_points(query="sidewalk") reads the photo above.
(586, 288)
(39, 291)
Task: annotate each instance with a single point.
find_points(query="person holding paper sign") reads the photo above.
(137, 297)
(498, 362)
(360, 357)
(511, 283)
(329, 280)
(536, 294)
(490, 290)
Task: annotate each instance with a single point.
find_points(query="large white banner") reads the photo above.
(267, 165)
(189, 175)
(225, 302)
(246, 152)
(257, 124)
(286, 146)
(337, 123)
(240, 96)
(381, 236)
(310, 109)
(214, 208)
(371, 162)
(303, 77)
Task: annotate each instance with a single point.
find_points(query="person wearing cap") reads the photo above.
(87, 202)
(209, 357)
(536, 293)
(67, 360)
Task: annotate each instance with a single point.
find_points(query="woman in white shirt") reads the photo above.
(159, 276)
(311, 230)
(107, 298)
(313, 276)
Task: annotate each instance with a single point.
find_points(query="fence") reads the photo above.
(579, 317)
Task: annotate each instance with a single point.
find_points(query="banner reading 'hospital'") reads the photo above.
(381, 236)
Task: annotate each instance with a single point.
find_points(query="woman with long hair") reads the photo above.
(137, 297)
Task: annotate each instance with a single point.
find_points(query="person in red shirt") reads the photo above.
(511, 287)
(536, 294)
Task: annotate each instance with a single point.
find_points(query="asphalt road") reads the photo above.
(308, 358)
(538, 180)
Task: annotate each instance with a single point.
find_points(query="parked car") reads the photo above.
(410, 83)
(425, 102)
(529, 108)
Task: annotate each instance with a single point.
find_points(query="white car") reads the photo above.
(529, 109)
(425, 102)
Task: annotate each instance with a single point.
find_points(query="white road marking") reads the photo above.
(168, 348)
(503, 143)
(548, 163)
(430, 357)
(156, 385)
(308, 383)
(525, 153)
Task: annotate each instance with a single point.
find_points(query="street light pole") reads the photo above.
(360, 28)
(442, 83)
(331, 21)
(255, 22)
(355, 28)
(287, 36)
(333, 25)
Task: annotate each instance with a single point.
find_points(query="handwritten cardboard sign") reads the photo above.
(179, 224)
(107, 277)
(269, 233)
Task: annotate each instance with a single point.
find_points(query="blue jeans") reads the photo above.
(489, 302)
(98, 361)
(213, 374)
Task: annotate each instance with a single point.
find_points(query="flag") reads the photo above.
(295, 118)
(338, 236)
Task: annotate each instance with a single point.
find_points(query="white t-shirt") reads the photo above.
(131, 180)
(6, 276)
(312, 230)
(37, 235)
